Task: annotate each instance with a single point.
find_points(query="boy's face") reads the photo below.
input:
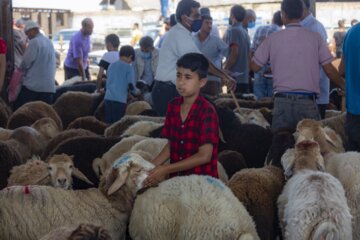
(188, 83)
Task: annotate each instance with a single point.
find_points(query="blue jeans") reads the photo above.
(164, 7)
(114, 111)
(263, 87)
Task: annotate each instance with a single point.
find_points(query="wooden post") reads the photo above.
(6, 23)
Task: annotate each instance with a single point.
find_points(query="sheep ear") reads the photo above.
(77, 173)
(289, 171)
(120, 180)
(96, 167)
(320, 167)
(42, 177)
(328, 139)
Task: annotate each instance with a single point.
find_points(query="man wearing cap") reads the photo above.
(76, 62)
(38, 66)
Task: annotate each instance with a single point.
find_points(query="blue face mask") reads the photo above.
(196, 25)
(145, 55)
(251, 24)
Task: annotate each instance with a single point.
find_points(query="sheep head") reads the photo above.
(129, 170)
(47, 127)
(305, 156)
(61, 169)
(328, 140)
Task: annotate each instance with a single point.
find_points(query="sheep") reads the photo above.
(253, 116)
(28, 113)
(85, 150)
(27, 141)
(72, 105)
(31, 212)
(142, 128)
(89, 123)
(337, 123)
(149, 113)
(85, 87)
(57, 172)
(344, 166)
(332, 113)
(9, 158)
(259, 188)
(190, 207)
(5, 133)
(232, 162)
(312, 204)
(252, 141)
(229, 103)
(119, 127)
(5, 113)
(47, 127)
(137, 107)
(83, 231)
(63, 136)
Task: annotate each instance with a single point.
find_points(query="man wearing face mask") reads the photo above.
(177, 43)
(249, 20)
(237, 60)
(146, 61)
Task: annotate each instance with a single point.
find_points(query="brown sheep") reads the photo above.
(89, 123)
(28, 113)
(47, 127)
(5, 113)
(72, 105)
(232, 161)
(137, 107)
(63, 136)
(82, 232)
(9, 158)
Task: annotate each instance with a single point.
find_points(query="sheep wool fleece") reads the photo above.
(190, 207)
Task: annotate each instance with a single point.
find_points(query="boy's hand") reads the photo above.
(157, 175)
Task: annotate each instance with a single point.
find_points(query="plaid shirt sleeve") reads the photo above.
(209, 132)
(2, 46)
(165, 132)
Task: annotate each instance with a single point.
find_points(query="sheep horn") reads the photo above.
(77, 173)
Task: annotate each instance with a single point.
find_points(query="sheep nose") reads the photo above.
(61, 181)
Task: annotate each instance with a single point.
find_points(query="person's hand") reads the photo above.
(157, 175)
(230, 83)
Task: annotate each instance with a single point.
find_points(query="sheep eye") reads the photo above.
(71, 166)
(50, 168)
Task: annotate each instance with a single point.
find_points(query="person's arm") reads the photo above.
(159, 173)
(2, 70)
(80, 67)
(334, 75)
(261, 56)
(234, 48)
(342, 66)
(99, 78)
(163, 156)
(226, 79)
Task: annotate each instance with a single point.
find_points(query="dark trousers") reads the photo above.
(242, 88)
(352, 130)
(27, 95)
(72, 72)
(161, 94)
(322, 110)
(114, 111)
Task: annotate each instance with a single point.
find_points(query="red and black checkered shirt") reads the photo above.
(200, 127)
(2, 46)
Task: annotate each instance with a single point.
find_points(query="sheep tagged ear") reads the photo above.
(120, 180)
(78, 174)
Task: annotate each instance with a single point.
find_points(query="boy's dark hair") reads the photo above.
(292, 8)
(146, 42)
(113, 39)
(184, 7)
(127, 51)
(206, 17)
(277, 18)
(238, 12)
(196, 62)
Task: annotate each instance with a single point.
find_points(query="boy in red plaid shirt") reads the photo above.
(191, 126)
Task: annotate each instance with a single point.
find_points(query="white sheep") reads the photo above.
(142, 128)
(57, 172)
(31, 212)
(254, 116)
(312, 204)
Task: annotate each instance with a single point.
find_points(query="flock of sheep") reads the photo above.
(65, 172)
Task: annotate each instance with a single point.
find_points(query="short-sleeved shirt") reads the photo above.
(261, 33)
(79, 47)
(237, 35)
(351, 54)
(312, 24)
(200, 127)
(2, 46)
(214, 49)
(339, 40)
(108, 58)
(119, 76)
(294, 54)
(177, 43)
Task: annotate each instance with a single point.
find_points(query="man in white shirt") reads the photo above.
(177, 43)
